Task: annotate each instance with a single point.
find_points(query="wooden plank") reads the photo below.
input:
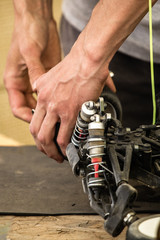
(53, 228)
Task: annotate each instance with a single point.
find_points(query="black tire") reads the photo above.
(145, 228)
(113, 103)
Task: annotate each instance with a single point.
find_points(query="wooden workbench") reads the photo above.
(53, 228)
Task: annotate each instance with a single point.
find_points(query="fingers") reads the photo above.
(31, 101)
(110, 83)
(17, 84)
(37, 120)
(64, 135)
(35, 70)
(19, 105)
(42, 128)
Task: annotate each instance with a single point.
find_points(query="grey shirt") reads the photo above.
(78, 12)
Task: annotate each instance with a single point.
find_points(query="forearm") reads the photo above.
(42, 8)
(35, 30)
(110, 24)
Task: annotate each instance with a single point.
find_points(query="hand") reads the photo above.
(110, 84)
(61, 92)
(34, 50)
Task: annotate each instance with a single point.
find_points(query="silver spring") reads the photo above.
(95, 181)
(96, 155)
(80, 132)
(96, 147)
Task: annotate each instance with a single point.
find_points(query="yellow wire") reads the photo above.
(152, 63)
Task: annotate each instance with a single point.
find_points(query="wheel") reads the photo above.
(113, 103)
(146, 228)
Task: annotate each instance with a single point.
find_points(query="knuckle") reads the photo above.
(42, 139)
(61, 143)
(14, 111)
(42, 96)
(66, 116)
(33, 130)
(51, 107)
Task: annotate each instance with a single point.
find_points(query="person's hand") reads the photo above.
(61, 92)
(34, 50)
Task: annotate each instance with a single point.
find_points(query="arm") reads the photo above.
(34, 50)
(110, 24)
(81, 75)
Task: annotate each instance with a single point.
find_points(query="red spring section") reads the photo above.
(96, 166)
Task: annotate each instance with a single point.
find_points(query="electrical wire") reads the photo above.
(152, 63)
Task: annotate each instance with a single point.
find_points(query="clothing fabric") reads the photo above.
(77, 13)
(132, 80)
(68, 35)
(133, 84)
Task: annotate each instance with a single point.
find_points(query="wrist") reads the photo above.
(109, 26)
(91, 64)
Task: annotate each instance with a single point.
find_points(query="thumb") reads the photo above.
(35, 70)
(110, 83)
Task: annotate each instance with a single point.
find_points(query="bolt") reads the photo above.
(90, 105)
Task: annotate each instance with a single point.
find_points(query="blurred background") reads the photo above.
(13, 130)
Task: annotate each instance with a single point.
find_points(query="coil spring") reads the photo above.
(96, 150)
(80, 132)
(95, 178)
(96, 174)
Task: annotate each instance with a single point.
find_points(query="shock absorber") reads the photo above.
(96, 146)
(90, 126)
(81, 128)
